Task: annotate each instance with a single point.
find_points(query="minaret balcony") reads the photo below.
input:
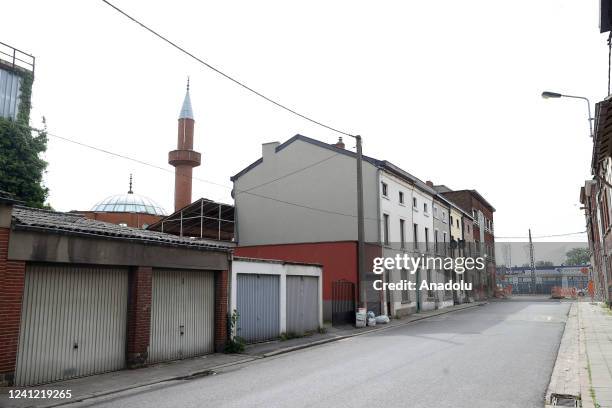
(184, 157)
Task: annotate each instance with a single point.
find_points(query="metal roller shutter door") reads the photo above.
(258, 303)
(73, 322)
(302, 304)
(182, 314)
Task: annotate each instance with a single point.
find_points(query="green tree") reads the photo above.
(544, 263)
(577, 256)
(21, 167)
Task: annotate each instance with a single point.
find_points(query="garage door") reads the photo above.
(258, 303)
(73, 322)
(302, 304)
(182, 314)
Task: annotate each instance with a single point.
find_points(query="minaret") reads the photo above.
(184, 158)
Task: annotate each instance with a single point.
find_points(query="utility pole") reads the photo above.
(533, 279)
(361, 228)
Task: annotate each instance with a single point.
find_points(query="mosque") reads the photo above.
(200, 219)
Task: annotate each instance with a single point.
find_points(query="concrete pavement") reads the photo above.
(596, 334)
(500, 355)
(584, 363)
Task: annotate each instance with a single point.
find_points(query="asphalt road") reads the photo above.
(497, 355)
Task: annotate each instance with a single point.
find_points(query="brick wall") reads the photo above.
(221, 287)
(139, 316)
(12, 276)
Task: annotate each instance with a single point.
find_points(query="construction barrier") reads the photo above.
(558, 292)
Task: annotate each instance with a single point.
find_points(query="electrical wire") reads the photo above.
(249, 191)
(218, 71)
(544, 236)
(144, 163)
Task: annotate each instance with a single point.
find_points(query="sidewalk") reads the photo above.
(584, 363)
(109, 383)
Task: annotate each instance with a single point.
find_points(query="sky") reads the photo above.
(447, 90)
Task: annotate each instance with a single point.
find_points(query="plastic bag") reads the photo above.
(382, 319)
(371, 321)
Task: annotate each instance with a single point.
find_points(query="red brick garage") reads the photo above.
(47, 257)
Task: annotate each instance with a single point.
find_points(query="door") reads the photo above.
(343, 303)
(73, 322)
(302, 304)
(258, 306)
(182, 314)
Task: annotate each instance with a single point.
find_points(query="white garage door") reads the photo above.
(73, 322)
(182, 314)
(302, 304)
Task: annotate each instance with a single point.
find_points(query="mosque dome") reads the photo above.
(129, 202)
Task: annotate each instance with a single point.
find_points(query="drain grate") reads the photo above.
(564, 400)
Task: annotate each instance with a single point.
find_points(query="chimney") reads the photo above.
(339, 143)
(268, 149)
(429, 183)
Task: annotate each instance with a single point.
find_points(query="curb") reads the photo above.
(347, 336)
(86, 397)
(250, 358)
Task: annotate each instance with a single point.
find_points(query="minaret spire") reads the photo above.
(130, 190)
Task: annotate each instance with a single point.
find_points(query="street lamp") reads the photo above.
(549, 95)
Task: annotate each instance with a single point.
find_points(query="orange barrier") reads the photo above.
(558, 292)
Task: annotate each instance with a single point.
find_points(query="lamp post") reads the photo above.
(549, 95)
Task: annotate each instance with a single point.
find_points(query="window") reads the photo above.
(430, 292)
(386, 229)
(451, 219)
(444, 248)
(468, 228)
(406, 292)
(415, 230)
(401, 197)
(435, 211)
(426, 239)
(457, 223)
(475, 214)
(444, 217)
(402, 235)
(385, 188)
(436, 241)
(414, 202)
(425, 208)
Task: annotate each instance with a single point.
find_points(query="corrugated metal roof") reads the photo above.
(52, 221)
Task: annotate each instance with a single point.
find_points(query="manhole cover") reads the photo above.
(564, 400)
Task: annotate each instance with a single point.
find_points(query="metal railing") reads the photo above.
(16, 58)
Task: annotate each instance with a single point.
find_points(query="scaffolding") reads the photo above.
(204, 219)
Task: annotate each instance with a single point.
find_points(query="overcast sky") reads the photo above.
(449, 90)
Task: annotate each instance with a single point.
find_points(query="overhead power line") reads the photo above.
(218, 71)
(545, 236)
(249, 192)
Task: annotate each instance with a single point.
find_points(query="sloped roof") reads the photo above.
(375, 162)
(58, 222)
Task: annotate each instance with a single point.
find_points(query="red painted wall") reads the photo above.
(339, 259)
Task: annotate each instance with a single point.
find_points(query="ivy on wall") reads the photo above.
(21, 167)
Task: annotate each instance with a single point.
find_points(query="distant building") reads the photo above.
(481, 230)
(311, 217)
(547, 277)
(16, 76)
